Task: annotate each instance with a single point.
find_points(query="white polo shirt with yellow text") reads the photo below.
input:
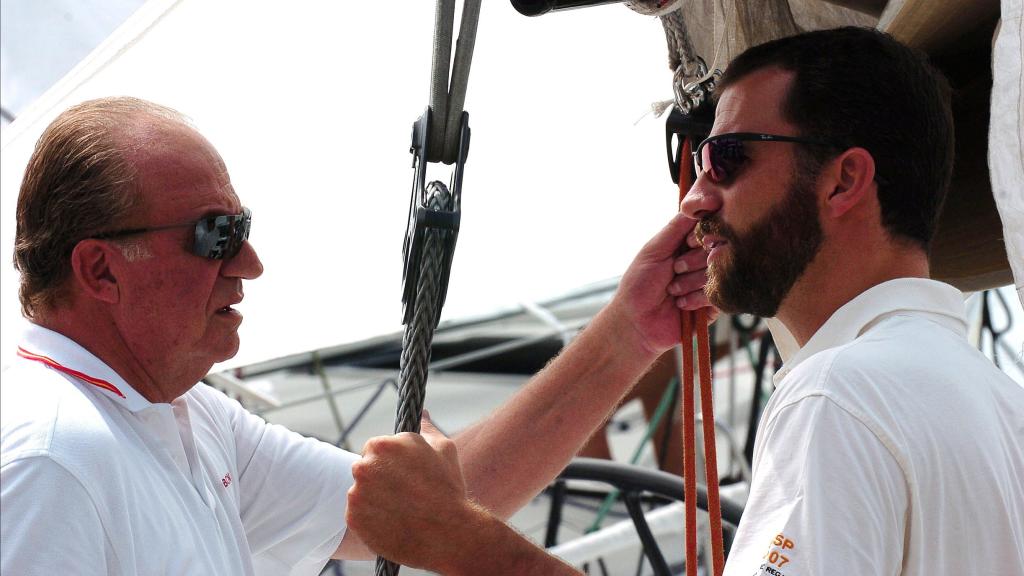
(889, 447)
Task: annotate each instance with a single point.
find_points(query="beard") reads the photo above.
(764, 262)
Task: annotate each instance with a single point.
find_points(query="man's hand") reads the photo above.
(667, 275)
(409, 505)
(409, 500)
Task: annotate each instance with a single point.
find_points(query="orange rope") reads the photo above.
(689, 415)
(697, 322)
(689, 445)
(710, 457)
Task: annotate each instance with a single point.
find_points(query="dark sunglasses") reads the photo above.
(720, 156)
(216, 237)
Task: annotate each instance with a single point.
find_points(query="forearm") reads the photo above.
(513, 454)
(490, 546)
(451, 514)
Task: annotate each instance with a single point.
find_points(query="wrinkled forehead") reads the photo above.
(179, 170)
(156, 139)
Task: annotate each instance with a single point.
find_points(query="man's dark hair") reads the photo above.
(860, 87)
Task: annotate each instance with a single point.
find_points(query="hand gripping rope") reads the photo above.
(441, 134)
(695, 322)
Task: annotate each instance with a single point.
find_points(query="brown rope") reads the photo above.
(696, 322)
(689, 442)
(710, 458)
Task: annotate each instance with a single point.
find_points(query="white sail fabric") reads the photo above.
(1006, 134)
(311, 104)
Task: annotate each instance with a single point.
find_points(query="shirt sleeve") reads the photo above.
(49, 523)
(827, 498)
(293, 492)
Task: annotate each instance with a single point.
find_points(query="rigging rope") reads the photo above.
(419, 333)
(695, 324)
(448, 98)
(440, 135)
(988, 325)
(693, 80)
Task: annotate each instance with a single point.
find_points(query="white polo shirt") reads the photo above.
(890, 446)
(95, 479)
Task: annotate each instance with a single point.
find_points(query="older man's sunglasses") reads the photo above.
(721, 156)
(216, 237)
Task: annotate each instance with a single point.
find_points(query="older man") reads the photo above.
(890, 445)
(132, 247)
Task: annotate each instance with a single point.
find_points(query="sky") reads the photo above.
(40, 41)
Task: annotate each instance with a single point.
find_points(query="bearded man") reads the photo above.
(890, 445)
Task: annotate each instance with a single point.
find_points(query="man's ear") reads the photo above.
(853, 181)
(92, 271)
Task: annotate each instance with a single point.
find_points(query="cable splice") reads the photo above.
(441, 134)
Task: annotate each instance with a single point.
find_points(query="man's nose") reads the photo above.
(701, 200)
(246, 264)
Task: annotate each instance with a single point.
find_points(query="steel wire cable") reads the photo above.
(419, 334)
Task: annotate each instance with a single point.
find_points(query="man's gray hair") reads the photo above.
(80, 181)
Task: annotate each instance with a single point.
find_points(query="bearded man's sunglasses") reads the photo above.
(216, 237)
(721, 156)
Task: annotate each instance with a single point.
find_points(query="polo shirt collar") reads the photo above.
(914, 295)
(63, 354)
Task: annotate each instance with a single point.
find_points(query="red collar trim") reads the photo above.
(57, 366)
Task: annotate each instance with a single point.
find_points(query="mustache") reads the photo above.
(713, 226)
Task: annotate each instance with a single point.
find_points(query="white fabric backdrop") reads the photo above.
(1006, 134)
(311, 103)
